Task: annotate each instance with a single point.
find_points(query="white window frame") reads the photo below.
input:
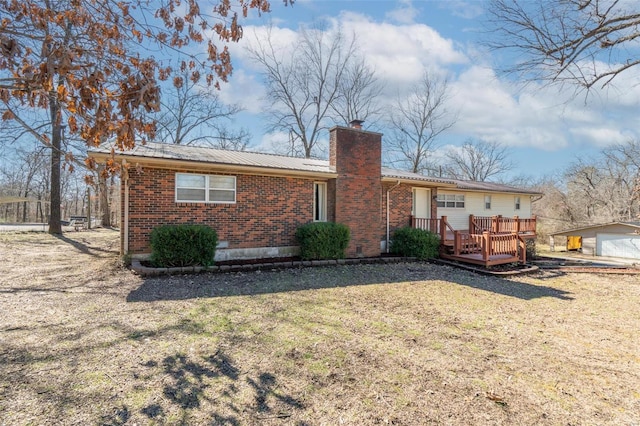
(319, 201)
(450, 201)
(516, 203)
(487, 202)
(207, 188)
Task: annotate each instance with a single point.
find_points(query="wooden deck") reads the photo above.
(504, 241)
(477, 259)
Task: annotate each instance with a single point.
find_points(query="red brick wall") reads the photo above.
(356, 155)
(331, 200)
(267, 211)
(400, 204)
(434, 203)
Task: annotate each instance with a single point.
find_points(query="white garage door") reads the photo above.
(617, 245)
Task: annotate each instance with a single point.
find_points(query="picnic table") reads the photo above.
(78, 222)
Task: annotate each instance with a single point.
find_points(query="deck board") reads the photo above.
(476, 258)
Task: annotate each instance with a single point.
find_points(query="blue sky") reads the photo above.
(545, 128)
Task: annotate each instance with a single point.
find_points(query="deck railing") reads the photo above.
(488, 236)
(489, 244)
(427, 224)
(438, 226)
(502, 225)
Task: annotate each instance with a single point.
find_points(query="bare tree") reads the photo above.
(358, 94)
(581, 42)
(194, 115)
(303, 81)
(623, 164)
(73, 62)
(602, 189)
(477, 160)
(416, 122)
(606, 189)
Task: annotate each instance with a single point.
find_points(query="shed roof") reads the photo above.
(271, 162)
(633, 225)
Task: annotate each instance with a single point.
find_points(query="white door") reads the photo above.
(617, 245)
(422, 203)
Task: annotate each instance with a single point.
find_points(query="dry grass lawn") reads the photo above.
(84, 341)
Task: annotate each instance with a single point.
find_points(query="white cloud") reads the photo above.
(543, 118)
(540, 117)
(601, 135)
(405, 13)
(463, 9)
(243, 89)
(401, 53)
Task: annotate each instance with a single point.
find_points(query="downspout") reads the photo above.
(125, 224)
(388, 192)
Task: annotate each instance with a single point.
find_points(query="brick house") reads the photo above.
(256, 202)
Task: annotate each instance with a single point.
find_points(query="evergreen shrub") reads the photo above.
(323, 240)
(413, 242)
(183, 245)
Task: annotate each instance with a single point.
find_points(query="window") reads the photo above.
(487, 202)
(455, 201)
(192, 188)
(517, 203)
(319, 202)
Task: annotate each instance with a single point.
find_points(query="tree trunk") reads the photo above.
(55, 225)
(104, 199)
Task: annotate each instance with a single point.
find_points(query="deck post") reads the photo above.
(472, 229)
(486, 245)
(494, 224)
(443, 229)
(456, 243)
(535, 224)
(517, 221)
(523, 250)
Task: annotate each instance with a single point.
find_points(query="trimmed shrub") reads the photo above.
(323, 240)
(183, 245)
(413, 242)
(532, 251)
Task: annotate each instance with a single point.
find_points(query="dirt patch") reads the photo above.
(85, 341)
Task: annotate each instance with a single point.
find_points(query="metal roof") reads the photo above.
(403, 174)
(567, 232)
(273, 162)
(200, 154)
(491, 187)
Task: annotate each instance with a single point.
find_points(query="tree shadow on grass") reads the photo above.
(208, 387)
(84, 248)
(511, 288)
(214, 285)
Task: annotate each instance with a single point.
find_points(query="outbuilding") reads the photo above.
(616, 239)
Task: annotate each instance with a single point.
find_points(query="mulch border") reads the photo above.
(262, 264)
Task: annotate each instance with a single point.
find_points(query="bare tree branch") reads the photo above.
(578, 42)
(194, 115)
(416, 122)
(477, 160)
(359, 91)
(304, 86)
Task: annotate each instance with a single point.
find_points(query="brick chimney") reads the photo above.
(356, 156)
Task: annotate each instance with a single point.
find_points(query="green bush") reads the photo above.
(183, 245)
(415, 242)
(532, 250)
(323, 240)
